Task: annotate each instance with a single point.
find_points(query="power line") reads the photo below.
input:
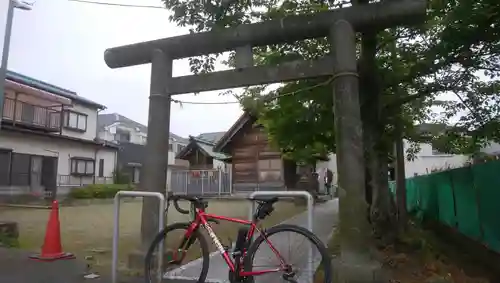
(266, 99)
(117, 4)
(204, 103)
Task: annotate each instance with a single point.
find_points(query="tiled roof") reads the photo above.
(213, 137)
(209, 149)
(206, 146)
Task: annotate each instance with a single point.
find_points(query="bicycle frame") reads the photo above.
(202, 218)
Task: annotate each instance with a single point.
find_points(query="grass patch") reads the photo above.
(419, 256)
(8, 241)
(87, 231)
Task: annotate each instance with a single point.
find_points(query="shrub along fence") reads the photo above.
(102, 191)
(467, 199)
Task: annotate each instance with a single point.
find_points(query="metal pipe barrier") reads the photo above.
(116, 228)
(295, 194)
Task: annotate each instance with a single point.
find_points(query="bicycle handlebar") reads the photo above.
(177, 207)
(175, 199)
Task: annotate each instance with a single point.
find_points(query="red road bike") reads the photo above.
(244, 265)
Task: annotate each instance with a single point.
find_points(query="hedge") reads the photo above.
(99, 191)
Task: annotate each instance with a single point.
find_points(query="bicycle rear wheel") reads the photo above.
(176, 255)
(308, 267)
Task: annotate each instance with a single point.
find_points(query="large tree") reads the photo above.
(403, 71)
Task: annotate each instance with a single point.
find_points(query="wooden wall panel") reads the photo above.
(245, 152)
(249, 146)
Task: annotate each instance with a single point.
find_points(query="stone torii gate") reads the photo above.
(339, 26)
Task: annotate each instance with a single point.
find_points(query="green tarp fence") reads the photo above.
(467, 199)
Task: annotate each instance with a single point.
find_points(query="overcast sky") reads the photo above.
(63, 43)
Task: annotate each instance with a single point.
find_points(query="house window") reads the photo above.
(122, 135)
(170, 147)
(20, 174)
(75, 121)
(5, 157)
(101, 167)
(82, 166)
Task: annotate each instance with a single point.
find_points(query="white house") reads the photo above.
(118, 128)
(48, 139)
(492, 149)
(425, 162)
(428, 159)
(131, 137)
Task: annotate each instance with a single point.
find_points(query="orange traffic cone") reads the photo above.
(52, 248)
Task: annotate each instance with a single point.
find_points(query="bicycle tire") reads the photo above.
(326, 258)
(161, 236)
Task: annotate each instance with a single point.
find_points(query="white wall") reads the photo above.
(330, 164)
(105, 135)
(222, 165)
(90, 133)
(137, 137)
(109, 133)
(424, 162)
(493, 148)
(63, 149)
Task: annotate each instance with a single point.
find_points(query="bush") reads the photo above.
(99, 191)
(8, 242)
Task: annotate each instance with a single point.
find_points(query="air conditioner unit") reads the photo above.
(112, 130)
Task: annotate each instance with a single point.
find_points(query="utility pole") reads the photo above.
(6, 46)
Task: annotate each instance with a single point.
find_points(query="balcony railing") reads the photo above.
(30, 115)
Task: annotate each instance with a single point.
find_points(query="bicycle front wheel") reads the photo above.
(299, 254)
(178, 251)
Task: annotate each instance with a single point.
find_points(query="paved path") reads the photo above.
(325, 217)
(16, 267)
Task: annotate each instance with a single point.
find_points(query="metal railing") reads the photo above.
(116, 229)
(213, 182)
(79, 181)
(32, 181)
(27, 114)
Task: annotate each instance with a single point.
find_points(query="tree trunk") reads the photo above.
(381, 209)
(399, 164)
(400, 182)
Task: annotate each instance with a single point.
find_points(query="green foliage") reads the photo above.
(103, 191)
(8, 241)
(455, 54)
